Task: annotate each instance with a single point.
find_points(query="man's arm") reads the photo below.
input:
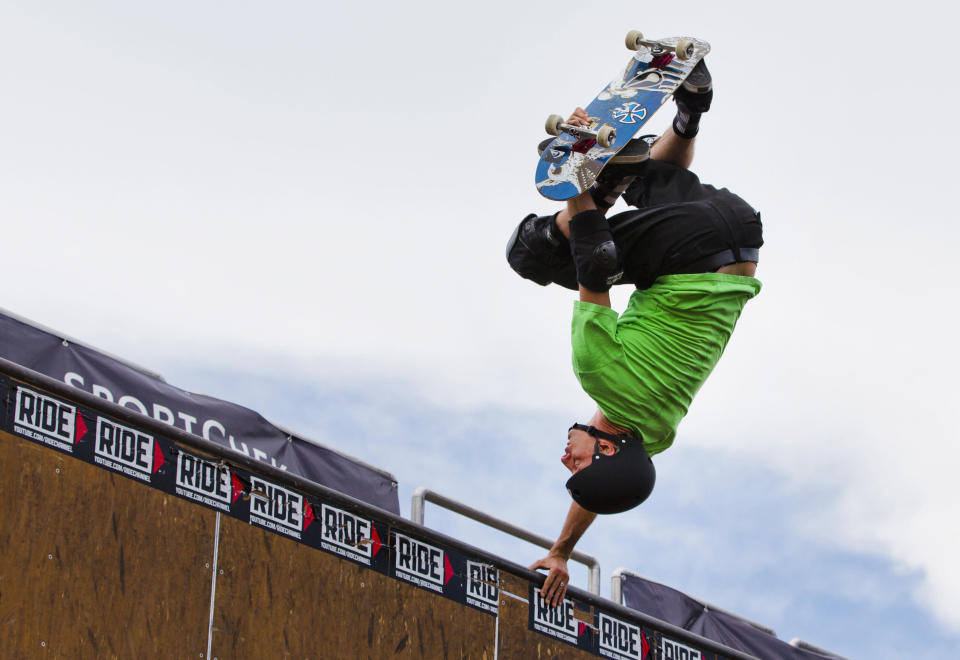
(578, 519)
(578, 204)
(555, 586)
(595, 297)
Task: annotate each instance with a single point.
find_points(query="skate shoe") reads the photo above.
(696, 93)
(699, 81)
(621, 171)
(636, 151)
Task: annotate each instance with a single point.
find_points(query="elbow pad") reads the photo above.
(594, 251)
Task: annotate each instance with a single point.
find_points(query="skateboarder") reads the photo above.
(691, 251)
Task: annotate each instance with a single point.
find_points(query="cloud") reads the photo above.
(300, 193)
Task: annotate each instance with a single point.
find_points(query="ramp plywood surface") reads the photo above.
(516, 639)
(95, 565)
(278, 598)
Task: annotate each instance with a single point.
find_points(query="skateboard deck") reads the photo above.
(571, 163)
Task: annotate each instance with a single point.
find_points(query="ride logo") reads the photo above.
(621, 640)
(211, 484)
(422, 564)
(349, 535)
(278, 509)
(483, 590)
(674, 650)
(561, 622)
(47, 420)
(127, 450)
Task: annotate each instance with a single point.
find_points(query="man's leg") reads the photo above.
(671, 148)
(693, 99)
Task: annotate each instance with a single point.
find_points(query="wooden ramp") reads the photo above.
(125, 538)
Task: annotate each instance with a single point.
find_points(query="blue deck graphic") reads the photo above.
(570, 166)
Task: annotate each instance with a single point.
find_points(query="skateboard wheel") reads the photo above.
(606, 135)
(634, 37)
(685, 49)
(553, 124)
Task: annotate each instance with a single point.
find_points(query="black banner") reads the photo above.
(350, 536)
(567, 622)
(219, 421)
(445, 572)
(620, 639)
(672, 606)
(607, 635)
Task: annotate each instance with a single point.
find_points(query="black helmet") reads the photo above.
(617, 483)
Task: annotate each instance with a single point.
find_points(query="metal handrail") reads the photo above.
(422, 495)
(616, 595)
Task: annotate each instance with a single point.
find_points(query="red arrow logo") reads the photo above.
(308, 516)
(376, 540)
(81, 428)
(237, 486)
(447, 568)
(158, 458)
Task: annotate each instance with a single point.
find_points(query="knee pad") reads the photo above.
(537, 251)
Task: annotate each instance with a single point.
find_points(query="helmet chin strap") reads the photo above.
(596, 433)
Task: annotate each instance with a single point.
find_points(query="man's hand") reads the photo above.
(580, 117)
(555, 586)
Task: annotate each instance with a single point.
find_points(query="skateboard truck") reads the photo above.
(604, 135)
(684, 49)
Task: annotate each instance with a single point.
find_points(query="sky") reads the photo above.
(303, 208)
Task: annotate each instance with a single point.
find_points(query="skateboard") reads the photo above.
(571, 163)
